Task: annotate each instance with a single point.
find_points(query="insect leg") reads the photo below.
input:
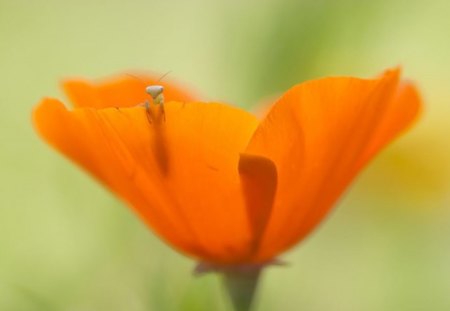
(163, 111)
(148, 112)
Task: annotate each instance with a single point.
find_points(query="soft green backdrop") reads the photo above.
(68, 244)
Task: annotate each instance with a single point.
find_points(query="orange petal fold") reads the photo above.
(259, 183)
(320, 134)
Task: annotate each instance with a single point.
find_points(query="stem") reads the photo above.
(241, 285)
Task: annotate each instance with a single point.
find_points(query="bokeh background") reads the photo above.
(68, 244)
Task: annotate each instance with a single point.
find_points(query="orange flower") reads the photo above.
(216, 182)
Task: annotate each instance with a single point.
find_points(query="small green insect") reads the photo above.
(156, 93)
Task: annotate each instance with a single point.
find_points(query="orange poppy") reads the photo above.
(216, 182)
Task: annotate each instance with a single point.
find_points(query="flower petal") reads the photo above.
(121, 91)
(259, 182)
(320, 134)
(402, 111)
(162, 168)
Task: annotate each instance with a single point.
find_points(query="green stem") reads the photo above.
(241, 285)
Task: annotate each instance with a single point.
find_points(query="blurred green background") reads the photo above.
(68, 244)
